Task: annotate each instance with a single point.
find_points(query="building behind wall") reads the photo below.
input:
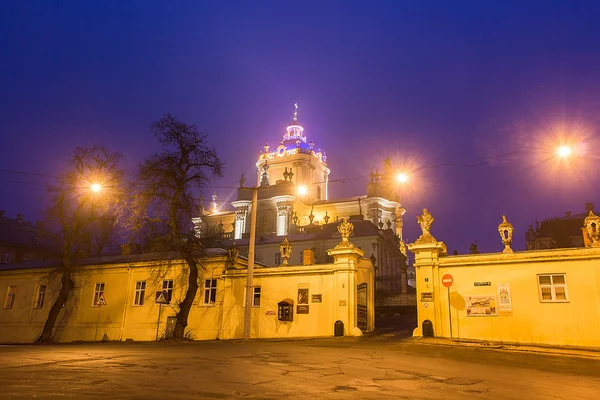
(294, 202)
(22, 241)
(562, 232)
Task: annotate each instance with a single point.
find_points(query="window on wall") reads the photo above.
(277, 259)
(553, 288)
(41, 294)
(5, 257)
(10, 297)
(301, 257)
(98, 293)
(210, 291)
(140, 292)
(256, 297)
(167, 287)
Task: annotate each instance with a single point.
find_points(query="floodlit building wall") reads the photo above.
(504, 296)
(121, 318)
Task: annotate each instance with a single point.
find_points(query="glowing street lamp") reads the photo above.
(563, 151)
(401, 177)
(96, 187)
(302, 190)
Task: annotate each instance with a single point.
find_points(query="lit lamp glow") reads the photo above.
(96, 187)
(564, 151)
(302, 190)
(402, 178)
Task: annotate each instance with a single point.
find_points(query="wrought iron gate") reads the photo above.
(361, 308)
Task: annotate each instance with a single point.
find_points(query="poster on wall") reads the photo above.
(302, 296)
(481, 306)
(504, 302)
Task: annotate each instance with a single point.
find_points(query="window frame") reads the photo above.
(277, 259)
(553, 287)
(40, 296)
(168, 289)
(256, 290)
(209, 291)
(98, 291)
(139, 294)
(11, 292)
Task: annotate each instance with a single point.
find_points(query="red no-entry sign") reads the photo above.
(447, 280)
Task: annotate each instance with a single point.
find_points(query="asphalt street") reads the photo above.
(372, 367)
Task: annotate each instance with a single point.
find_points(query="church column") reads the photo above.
(240, 222)
(283, 218)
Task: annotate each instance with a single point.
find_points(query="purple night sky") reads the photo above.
(422, 82)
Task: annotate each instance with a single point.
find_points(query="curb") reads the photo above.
(593, 353)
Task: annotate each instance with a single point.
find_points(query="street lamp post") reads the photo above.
(250, 274)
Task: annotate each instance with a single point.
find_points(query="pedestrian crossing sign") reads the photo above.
(161, 298)
(101, 301)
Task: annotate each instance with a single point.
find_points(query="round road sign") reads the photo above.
(447, 280)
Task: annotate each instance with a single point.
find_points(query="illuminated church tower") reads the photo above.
(293, 202)
(297, 158)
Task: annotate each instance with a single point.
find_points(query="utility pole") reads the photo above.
(250, 275)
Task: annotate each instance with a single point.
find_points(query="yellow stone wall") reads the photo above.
(572, 322)
(120, 319)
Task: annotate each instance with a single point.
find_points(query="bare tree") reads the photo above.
(164, 202)
(88, 191)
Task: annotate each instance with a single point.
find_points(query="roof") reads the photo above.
(119, 259)
(312, 233)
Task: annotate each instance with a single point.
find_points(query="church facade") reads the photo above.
(294, 201)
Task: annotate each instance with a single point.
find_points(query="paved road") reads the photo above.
(374, 367)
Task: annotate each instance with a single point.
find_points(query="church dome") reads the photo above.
(294, 141)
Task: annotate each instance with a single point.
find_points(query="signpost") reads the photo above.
(161, 298)
(99, 303)
(447, 281)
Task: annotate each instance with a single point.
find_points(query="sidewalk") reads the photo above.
(571, 351)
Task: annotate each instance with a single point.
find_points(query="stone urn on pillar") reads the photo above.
(505, 229)
(286, 250)
(592, 225)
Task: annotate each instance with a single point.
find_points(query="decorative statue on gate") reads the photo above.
(505, 229)
(425, 221)
(345, 228)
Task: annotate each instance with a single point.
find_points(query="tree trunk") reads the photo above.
(186, 305)
(65, 288)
